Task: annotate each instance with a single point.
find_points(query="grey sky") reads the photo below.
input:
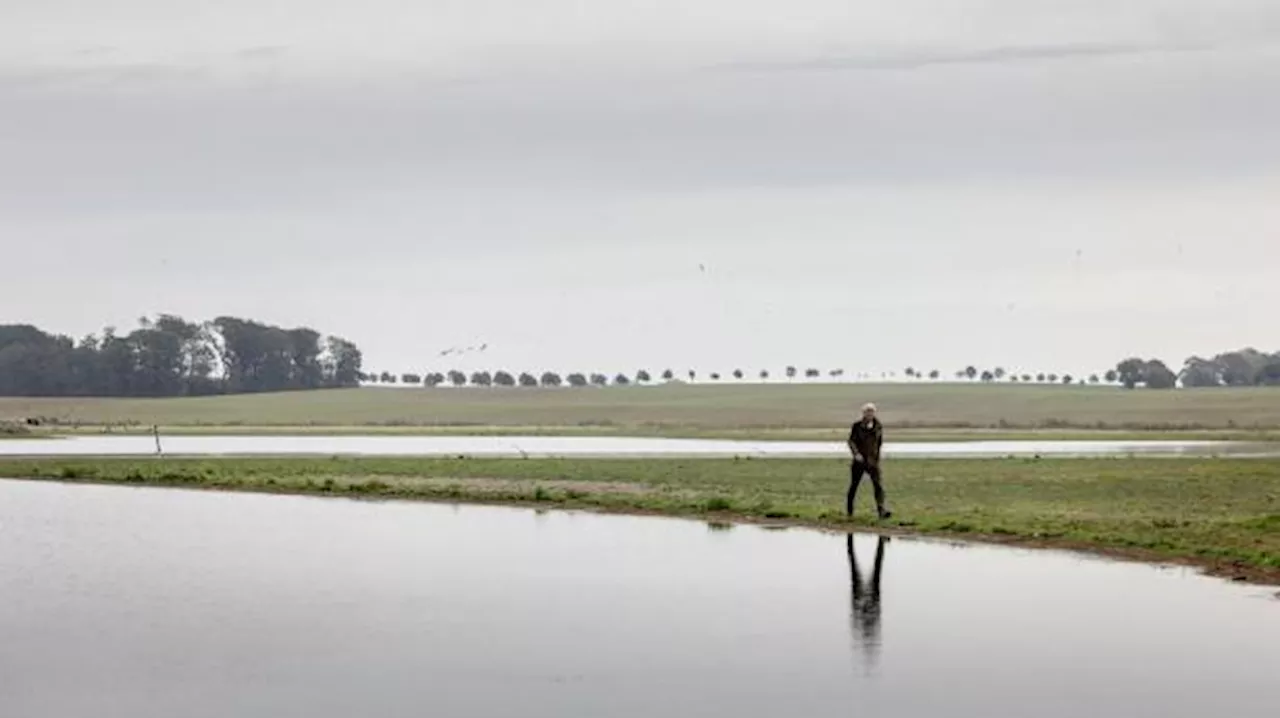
(1032, 183)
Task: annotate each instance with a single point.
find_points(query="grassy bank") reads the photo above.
(691, 408)
(1222, 514)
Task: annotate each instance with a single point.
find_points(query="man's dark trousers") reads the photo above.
(855, 477)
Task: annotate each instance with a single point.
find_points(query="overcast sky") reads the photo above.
(618, 184)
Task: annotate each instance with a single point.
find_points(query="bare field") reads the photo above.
(692, 408)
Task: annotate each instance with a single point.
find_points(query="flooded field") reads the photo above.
(566, 446)
(155, 603)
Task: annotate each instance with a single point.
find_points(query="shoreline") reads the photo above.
(1222, 570)
(993, 501)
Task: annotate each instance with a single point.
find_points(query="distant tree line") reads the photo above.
(1247, 367)
(170, 356)
(1244, 367)
(552, 379)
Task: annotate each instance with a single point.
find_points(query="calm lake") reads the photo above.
(153, 603)
(543, 446)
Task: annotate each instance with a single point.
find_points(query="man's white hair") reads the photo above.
(868, 407)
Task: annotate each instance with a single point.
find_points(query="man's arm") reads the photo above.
(853, 444)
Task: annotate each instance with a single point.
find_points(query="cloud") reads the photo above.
(262, 52)
(919, 59)
(117, 76)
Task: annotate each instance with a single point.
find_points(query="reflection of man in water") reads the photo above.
(865, 439)
(865, 617)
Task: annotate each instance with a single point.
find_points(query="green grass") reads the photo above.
(690, 409)
(1222, 514)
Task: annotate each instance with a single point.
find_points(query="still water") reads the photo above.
(543, 446)
(159, 603)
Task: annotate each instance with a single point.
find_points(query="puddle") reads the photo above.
(565, 446)
(153, 603)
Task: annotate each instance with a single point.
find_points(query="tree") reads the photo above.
(791, 372)
(971, 372)
(836, 373)
(1026, 378)
(715, 376)
(999, 372)
(643, 377)
(1013, 378)
(812, 373)
(1112, 376)
(1269, 375)
(340, 363)
(410, 378)
(987, 376)
(1040, 377)
(1093, 379)
(433, 379)
(504, 379)
(576, 379)
(1241, 368)
(550, 379)
(387, 377)
(934, 374)
(599, 380)
(260, 357)
(457, 378)
(668, 375)
(1131, 372)
(764, 375)
(304, 369)
(1053, 378)
(1197, 372)
(1066, 379)
(737, 374)
(693, 375)
(1158, 376)
(909, 372)
(621, 380)
(528, 380)
(1151, 373)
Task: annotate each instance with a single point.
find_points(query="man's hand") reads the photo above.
(857, 458)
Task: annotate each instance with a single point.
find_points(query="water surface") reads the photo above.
(565, 446)
(153, 603)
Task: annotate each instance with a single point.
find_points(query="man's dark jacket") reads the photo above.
(866, 440)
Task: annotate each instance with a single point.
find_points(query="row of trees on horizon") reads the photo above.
(1246, 367)
(549, 378)
(170, 356)
(578, 379)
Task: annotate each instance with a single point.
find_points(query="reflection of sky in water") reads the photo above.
(591, 445)
(142, 602)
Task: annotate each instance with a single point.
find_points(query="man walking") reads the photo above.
(865, 439)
